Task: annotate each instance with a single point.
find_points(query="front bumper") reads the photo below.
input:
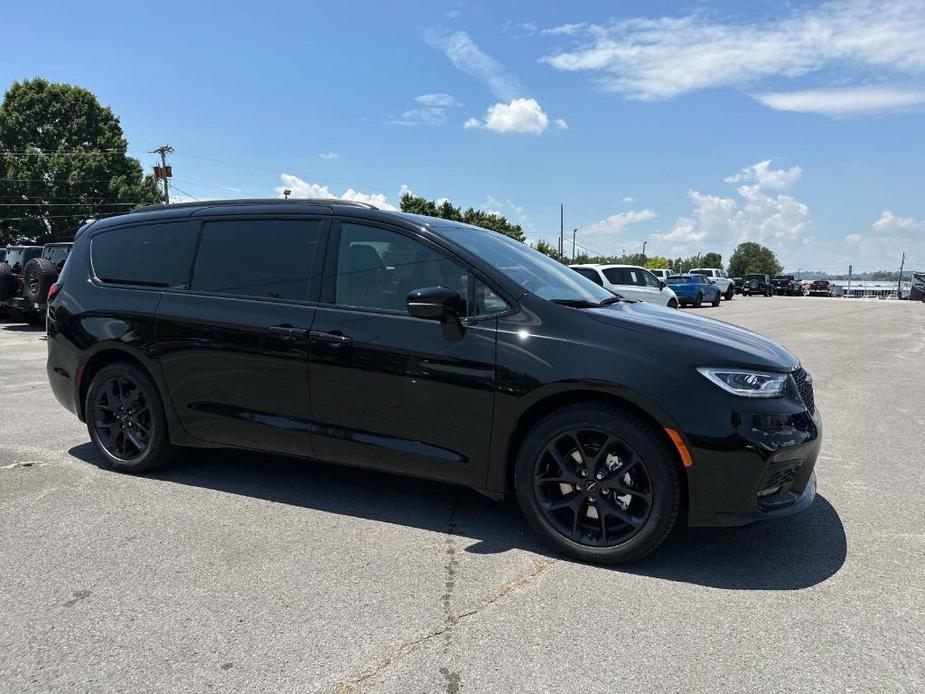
(763, 470)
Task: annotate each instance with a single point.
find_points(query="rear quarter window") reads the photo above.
(153, 255)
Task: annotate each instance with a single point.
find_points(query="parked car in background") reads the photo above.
(739, 284)
(11, 280)
(24, 286)
(787, 285)
(693, 290)
(720, 279)
(481, 362)
(663, 273)
(820, 288)
(630, 281)
(756, 284)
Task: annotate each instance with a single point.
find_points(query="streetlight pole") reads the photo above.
(644, 251)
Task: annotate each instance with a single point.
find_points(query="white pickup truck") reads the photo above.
(719, 277)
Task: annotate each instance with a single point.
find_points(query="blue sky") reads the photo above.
(689, 125)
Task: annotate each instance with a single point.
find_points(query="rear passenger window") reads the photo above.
(590, 274)
(267, 258)
(154, 255)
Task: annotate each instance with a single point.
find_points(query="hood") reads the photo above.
(703, 341)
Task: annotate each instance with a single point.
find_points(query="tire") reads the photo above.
(38, 276)
(716, 299)
(113, 436)
(633, 442)
(730, 293)
(698, 301)
(7, 282)
(672, 303)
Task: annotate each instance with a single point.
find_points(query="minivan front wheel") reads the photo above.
(125, 418)
(598, 483)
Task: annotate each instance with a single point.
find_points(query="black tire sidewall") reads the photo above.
(648, 444)
(159, 446)
(698, 301)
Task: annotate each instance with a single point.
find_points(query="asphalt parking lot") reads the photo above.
(241, 572)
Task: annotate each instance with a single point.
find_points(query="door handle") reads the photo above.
(334, 339)
(287, 332)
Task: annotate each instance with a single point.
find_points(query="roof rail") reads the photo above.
(261, 201)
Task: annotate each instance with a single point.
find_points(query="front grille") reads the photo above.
(781, 475)
(805, 385)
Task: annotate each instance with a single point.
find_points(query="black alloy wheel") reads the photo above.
(698, 300)
(593, 488)
(598, 482)
(716, 298)
(672, 303)
(122, 418)
(125, 418)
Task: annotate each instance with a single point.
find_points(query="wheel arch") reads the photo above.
(503, 477)
(100, 359)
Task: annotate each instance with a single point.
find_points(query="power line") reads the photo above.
(183, 192)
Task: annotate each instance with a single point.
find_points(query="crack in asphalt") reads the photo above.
(403, 649)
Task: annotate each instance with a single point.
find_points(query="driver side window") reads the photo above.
(651, 280)
(377, 268)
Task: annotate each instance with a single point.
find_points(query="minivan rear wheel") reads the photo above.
(598, 483)
(125, 418)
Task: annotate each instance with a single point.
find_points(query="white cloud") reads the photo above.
(629, 199)
(507, 209)
(883, 245)
(561, 124)
(757, 214)
(329, 156)
(765, 177)
(619, 222)
(468, 57)
(889, 223)
(653, 59)
(843, 102)
(431, 109)
(305, 189)
(519, 116)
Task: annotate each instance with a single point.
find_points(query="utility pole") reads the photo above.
(287, 193)
(574, 232)
(850, 272)
(644, 251)
(164, 172)
(899, 284)
(561, 229)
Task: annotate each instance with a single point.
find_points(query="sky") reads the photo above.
(690, 126)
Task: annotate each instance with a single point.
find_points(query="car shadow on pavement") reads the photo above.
(22, 327)
(788, 554)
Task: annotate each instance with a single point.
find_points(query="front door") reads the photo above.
(234, 347)
(391, 391)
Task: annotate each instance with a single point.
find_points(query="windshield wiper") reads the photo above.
(585, 303)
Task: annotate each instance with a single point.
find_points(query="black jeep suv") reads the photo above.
(336, 331)
(26, 279)
(756, 284)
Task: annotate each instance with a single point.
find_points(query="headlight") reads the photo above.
(746, 383)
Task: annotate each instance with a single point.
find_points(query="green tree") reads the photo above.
(62, 162)
(547, 248)
(752, 257)
(446, 210)
(711, 259)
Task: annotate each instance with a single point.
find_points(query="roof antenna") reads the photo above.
(287, 193)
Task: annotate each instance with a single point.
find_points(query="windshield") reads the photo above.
(679, 280)
(535, 272)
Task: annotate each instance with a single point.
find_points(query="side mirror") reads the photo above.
(661, 285)
(436, 303)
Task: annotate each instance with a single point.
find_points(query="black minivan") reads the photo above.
(332, 330)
